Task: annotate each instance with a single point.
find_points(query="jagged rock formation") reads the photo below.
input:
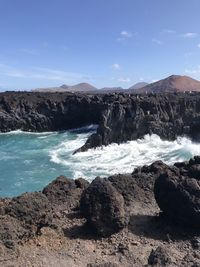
(121, 117)
(47, 228)
(177, 192)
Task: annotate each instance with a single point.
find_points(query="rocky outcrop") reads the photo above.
(121, 117)
(48, 227)
(159, 257)
(65, 191)
(33, 209)
(103, 207)
(177, 192)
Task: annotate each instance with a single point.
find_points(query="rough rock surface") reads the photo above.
(12, 231)
(159, 257)
(107, 264)
(121, 117)
(33, 209)
(177, 192)
(148, 240)
(103, 207)
(65, 191)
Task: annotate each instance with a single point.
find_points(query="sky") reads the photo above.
(46, 43)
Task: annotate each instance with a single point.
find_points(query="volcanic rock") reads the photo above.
(65, 191)
(178, 195)
(159, 257)
(103, 207)
(120, 117)
(12, 231)
(33, 209)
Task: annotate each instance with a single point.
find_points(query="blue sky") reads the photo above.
(103, 42)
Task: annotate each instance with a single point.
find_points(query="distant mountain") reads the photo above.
(173, 83)
(81, 87)
(138, 85)
(110, 89)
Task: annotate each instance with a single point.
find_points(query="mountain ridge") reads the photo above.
(173, 83)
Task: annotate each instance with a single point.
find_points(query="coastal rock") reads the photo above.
(159, 257)
(33, 209)
(103, 207)
(120, 117)
(12, 231)
(65, 191)
(178, 195)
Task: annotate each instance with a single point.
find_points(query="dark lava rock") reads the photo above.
(103, 207)
(159, 257)
(64, 190)
(120, 117)
(126, 186)
(178, 197)
(33, 209)
(82, 183)
(191, 260)
(195, 242)
(138, 186)
(11, 231)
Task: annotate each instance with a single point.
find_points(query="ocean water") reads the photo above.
(29, 161)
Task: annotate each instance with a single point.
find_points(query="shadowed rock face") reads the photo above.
(103, 207)
(177, 192)
(121, 117)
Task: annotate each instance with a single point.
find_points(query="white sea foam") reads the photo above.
(121, 158)
(24, 132)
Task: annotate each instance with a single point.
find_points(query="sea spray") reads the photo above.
(29, 161)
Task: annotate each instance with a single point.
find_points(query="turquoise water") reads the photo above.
(29, 161)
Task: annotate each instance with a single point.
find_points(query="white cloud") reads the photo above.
(154, 80)
(168, 31)
(43, 74)
(126, 34)
(124, 80)
(156, 41)
(115, 66)
(190, 35)
(193, 71)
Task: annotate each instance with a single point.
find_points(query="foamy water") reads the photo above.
(29, 161)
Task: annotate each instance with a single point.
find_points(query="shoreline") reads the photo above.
(49, 227)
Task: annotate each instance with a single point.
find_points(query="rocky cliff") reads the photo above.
(121, 117)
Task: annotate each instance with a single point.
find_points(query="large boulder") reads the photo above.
(178, 196)
(103, 207)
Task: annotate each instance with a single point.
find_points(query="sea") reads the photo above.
(29, 161)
